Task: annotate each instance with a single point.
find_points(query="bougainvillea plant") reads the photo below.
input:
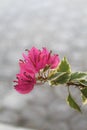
(40, 66)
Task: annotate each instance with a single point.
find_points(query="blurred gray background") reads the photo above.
(59, 25)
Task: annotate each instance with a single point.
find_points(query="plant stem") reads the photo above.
(75, 84)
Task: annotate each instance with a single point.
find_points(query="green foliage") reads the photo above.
(84, 95)
(84, 92)
(60, 79)
(84, 99)
(64, 66)
(63, 75)
(83, 82)
(53, 75)
(71, 102)
(78, 76)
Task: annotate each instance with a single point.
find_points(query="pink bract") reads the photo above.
(25, 79)
(33, 62)
(25, 83)
(38, 59)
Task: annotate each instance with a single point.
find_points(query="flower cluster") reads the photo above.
(40, 66)
(32, 66)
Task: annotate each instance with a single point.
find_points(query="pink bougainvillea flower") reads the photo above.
(25, 84)
(25, 79)
(38, 59)
(32, 64)
(25, 67)
(51, 60)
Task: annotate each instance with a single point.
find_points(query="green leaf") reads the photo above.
(64, 66)
(71, 102)
(61, 79)
(61, 75)
(84, 100)
(54, 75)
(83, 82)
(84, 92)
(78, 75)
(84, 95)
